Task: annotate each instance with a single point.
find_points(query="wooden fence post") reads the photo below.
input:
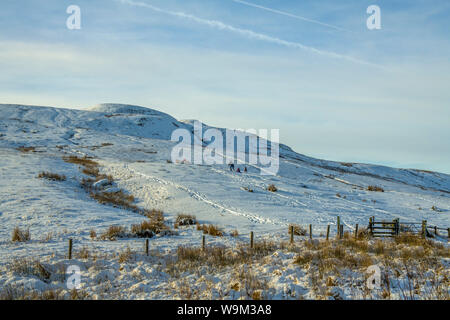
(70, 249)
(310, 231)
(424, 228)
(435, 231)
(397, 226)
(251, 239)
(328, 231)
(341, 231)
(371, 226)
(203, 242)
(291, 230)
(356, 231)
(146, 247)
(448, 233)
(338, 225)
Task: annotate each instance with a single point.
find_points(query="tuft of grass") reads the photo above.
(51, 176)
(234, 233)
(91, 171)
(92, 234)
(47, 237)
(272, 188)
(375, 188)
(263, 248)
(126, 256)
(19, 235)
(30, 267)
(298, 230)
(113, 232)
(186, 220)
(117, 199)
(83, 253)
(434, 208)
(347, 164)
(85, 161)
(210, 229)
(26, 149)
(363, 233)
(147, 229)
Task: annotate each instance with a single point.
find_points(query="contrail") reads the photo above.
(291, 15)
(248, 33)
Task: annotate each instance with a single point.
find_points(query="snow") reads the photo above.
(133, 145)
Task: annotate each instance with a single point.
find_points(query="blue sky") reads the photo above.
(339, 92)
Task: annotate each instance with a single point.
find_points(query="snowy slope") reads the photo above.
(133, 144)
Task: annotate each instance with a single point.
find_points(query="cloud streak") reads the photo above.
(287, 14)
(249, 33)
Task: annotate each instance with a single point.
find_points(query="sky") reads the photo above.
(311, 68)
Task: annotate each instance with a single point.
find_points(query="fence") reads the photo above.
(375, 229)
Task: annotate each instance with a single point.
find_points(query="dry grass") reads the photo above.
(149, 228)
(298, 230)
(47, 237)
(85, 161)
(185, 220)
(210, 229)
(30, 267)
(51, 176)
(234, 233)
(83, 253)
(261, 248)
(347, 164)
(113, 232)
(126, 256)
(117, 199)
(434, 208)
(26, 149)
(146, 229)
(92, 234)
(20, 293)
(19, 235)
(406, 254)
(91, 171)
(86, 184)
(272, 188)
(375, 188)
(190, 258)
(90, 168)
(215, 258)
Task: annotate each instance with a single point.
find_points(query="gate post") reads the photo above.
(424, 228)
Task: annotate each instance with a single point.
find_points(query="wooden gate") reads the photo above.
(384, 228)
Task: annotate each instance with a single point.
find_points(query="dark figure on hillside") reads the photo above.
(245, 169)
(231, 165)
(238, 170)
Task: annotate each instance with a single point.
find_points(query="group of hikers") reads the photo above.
(231, 166)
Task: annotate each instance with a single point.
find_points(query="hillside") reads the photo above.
(132, 145)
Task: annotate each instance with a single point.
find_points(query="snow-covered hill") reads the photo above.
(133, 144)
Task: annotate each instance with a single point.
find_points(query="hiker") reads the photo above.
(238, 170)
(231, 165)
(245, 169)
